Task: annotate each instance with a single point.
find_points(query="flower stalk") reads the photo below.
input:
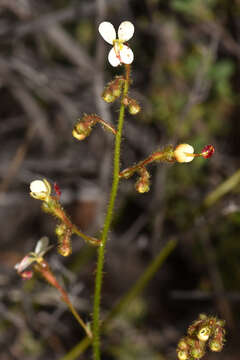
(36, 260)
(43, 269)
(107, 223)
(41, 190)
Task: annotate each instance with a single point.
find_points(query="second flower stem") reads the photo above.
(107, 224)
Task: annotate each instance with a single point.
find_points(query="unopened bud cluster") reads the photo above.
(206, 331)
(113, 89)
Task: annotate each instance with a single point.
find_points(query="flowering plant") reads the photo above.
(116, 89)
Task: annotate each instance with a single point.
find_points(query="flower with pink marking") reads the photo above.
(34, 256)
(120, 53)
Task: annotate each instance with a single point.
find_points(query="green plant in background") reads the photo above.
(116, 89)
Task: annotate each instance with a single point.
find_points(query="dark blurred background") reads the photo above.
(53, 68)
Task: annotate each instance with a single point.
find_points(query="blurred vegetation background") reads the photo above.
(53, 67)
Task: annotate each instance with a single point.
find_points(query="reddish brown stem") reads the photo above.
(131, 170)
(106, 125)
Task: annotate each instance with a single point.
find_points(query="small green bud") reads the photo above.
(46, 207)
(116, 92)
(143, 184)
(84, 127)
(203, 316)
(64, 246)
(182, 355)
(204, 333)
(134, 108)
(60, 229)
(142, 187)
(182, 345)
(215, 345)
(79, 136)
(197, 352)
(108, 96)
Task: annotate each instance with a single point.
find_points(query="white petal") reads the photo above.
(38, 186)
(24, 263)
(113, 59)
(42, 245)
(126, 55)
(125, 31)
(183, 153)
(106, 29)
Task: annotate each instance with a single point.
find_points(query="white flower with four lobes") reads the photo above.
(120, 53)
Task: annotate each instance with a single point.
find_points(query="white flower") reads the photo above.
(40, 250)
(119, 53)
(183, 153)
(40, 189)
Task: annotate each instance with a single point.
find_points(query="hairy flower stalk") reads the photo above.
(40, 265)
(43, 269)
(41, 190)
(183, 153)
(107, 224)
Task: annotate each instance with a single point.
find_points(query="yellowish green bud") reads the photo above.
(108, 96)
(60, 229)
(142, 187)
(84, 126)
(197, 352)
(134, 108)
(215, 345)
(182, 355)
(182, 345)
(204, 333)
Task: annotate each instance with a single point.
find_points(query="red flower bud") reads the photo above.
(208, 151)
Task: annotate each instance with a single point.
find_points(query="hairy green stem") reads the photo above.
(135, 290)
(107, 223)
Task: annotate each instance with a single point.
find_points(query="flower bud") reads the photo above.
(40, 189)
(182, 354)
(134, 108)
(64, 247)
(215, 345)
(204, 333)
(108, 96)
(183, 345)
(202, 316)
(60, 229)
(116, 86)
(113, 89)
(26, 275)
(143, 184)
(208, 151)
(183, 153)
(81, 130)
(197, 352)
